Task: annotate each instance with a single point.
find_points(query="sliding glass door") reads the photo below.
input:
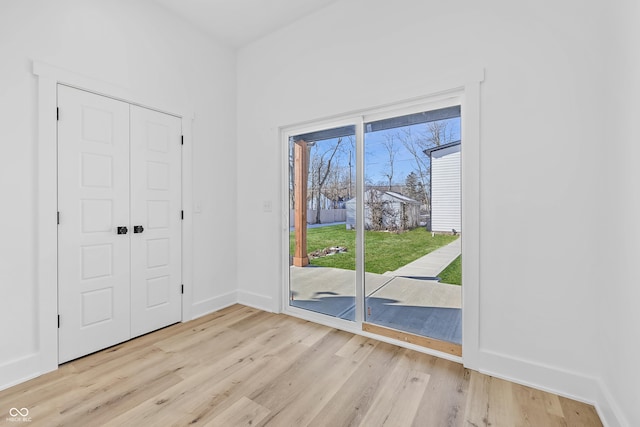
(412, 203)
(375, 221)
(322, 234)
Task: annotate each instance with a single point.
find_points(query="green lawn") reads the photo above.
(453, 273)
(383, 251)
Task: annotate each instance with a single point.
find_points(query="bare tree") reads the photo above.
(321, 164)
(292, 199)
(415, 145)
(337, 185)
(438, 133)
(351, 148)
(392, 150)
(381, 212)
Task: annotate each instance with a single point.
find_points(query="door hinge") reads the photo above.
(58, 217)
(181, 214)
(182, 289)
(57, 113)
(58, 321)
(181, 139)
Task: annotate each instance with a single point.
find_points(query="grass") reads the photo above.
(383, 251)
(453, 273)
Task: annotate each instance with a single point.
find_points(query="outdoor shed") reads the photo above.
(389, 209)
(445, 187)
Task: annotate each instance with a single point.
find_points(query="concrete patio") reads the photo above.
(408, 299)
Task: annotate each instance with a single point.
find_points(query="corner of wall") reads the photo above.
(610, 413)
(261, 302)
(202, 308)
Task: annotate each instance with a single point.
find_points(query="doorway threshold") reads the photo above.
(432, 343)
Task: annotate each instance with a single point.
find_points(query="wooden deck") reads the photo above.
(241, 367)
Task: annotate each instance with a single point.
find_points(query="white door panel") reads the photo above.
(119, 165)
(156, 299)
(93, 188)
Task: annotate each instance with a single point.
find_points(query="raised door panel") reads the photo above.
(93, 200)
(156, 299)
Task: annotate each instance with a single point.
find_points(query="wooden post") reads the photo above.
(301, 171)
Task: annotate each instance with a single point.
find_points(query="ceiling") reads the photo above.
(239, 22)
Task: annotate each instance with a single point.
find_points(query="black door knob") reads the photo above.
(123, 230)
(138, 229)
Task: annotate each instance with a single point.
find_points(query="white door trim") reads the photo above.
(464, 89)
(46, 357)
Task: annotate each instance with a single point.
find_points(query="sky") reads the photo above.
(377, 155)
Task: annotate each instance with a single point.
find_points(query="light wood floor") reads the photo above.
(242, 366)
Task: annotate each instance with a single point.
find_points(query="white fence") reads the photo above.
(326, 216)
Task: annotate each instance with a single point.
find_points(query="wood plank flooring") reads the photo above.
(244, 367)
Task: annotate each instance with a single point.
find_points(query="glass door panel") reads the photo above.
(322, 235)
(412, 209)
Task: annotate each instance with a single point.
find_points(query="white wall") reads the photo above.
(559, 301)
(540, 95)
(618, 289)
(141, 47)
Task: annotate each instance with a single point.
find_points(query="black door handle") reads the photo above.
(123, 230)
(138, 229)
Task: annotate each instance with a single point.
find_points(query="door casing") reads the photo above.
(458, 89)
(119, 168)
(45, 357)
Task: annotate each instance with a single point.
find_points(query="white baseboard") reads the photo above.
(219, 302)
(562, 382)
(610, 413)
(20, 370)
(572, 385)
(251, 299)
(210, 305)
(33, 365)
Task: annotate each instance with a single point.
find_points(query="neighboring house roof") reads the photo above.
(400, 197)
(395, 188)
(441, 147)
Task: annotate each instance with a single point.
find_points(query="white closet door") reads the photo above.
(93, 201)
(156, 242)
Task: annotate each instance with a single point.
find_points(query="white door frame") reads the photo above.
(47, 259)
(466, 91)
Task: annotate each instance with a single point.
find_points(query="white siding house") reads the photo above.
(445, 188)
(399, 212)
